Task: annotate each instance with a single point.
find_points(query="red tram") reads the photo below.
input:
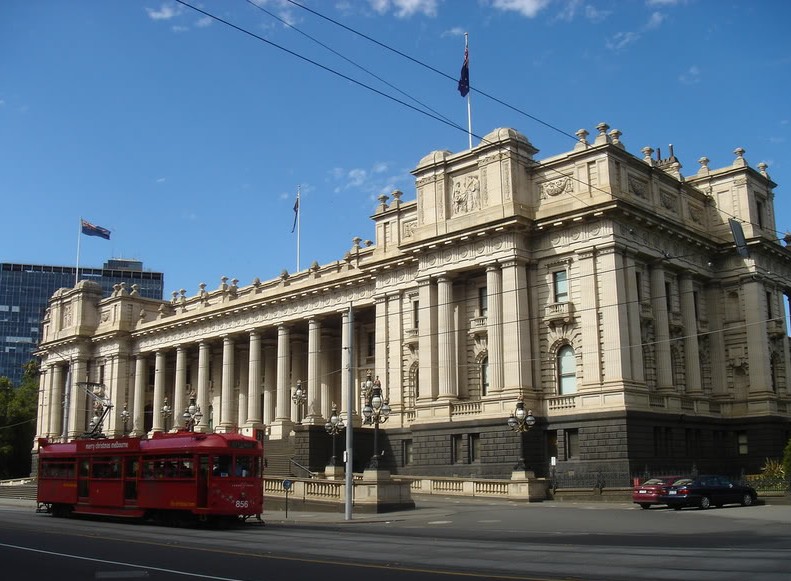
(173, 478)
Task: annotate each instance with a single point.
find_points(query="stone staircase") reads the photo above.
(22, 491)
(278, 454)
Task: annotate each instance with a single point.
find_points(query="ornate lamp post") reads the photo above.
(167, 411)
(125, 417)
(334, 426)
(521, 421)
(375, 411)
(192, 415)
(299, 397)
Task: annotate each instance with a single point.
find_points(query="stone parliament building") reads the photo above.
(604, 288)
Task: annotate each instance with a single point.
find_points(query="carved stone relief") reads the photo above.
(409, 229)
(669, 202)
(556, 187)
(637, 187)
(466, 195)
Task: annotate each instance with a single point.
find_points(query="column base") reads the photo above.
(280, 429)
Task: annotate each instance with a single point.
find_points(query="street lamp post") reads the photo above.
(192, 415)
(167, 411)
(375, 411)
(520, 421)
(299, 397)
(334, 426)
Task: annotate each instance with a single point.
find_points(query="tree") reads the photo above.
(787, 460)
(18, 422)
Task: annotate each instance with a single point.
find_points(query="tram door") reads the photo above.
(82, 480)
(203, 481)
(131, 469)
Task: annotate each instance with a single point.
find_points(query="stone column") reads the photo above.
(664, 365)
(138, 404)
(427, 341)
(180, 401)
(78, 402)
(592, 355)
(691, 348)
(346, 385)
(614, 319)
(719, 383)
(282, 425)
(157, 424)
(313, 411)
(241, 383)
(326, 371)
(757, 336)
(270, 381)
(633, 316)
(204, 364)
(227, 415)
(56, 402)
(254, 381)
(298, 372)
(393, 346)
(517, 347)
(494, 327)
(446, 340)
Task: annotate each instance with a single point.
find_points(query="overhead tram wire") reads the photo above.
(348, 60)
(326, 68)
(429, 67)
(479, 91)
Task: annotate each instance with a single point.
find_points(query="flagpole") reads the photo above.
(469, 93)
(77, 270)
(299, 212)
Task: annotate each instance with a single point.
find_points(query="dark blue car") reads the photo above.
(706, 491)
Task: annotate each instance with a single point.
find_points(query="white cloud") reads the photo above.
(179, 28)
(204, 22)
(2, 102)
(690, 76)
(165, 12)
(405, 8)
(655, 21)
(528, 8)
(595, 15)
(160, 180)
(374, 181)
(663, 2)
(455, 31)
(621, 40)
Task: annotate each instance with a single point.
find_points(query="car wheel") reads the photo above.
(645, 505)
(705, 502)
(747, 499)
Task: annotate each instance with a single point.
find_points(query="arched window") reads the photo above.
(485, 376)
(566, 370)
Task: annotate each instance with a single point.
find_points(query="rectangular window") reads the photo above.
(572, 444)
(371, 345)
(560, 286)
(769, 314)
(406, 452)
(760, 210)
(457, 449)
(741, 443)
(638, 276)
(415, 311)
(669, 297)
(483, 301)
(475, 447)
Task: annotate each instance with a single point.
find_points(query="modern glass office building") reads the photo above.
(25, 290)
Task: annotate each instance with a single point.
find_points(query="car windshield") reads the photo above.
(653, 482)
(682, 481)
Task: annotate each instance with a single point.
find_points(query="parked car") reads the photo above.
(705, 491)
(648, 492)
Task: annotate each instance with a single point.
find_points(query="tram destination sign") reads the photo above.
(120, 445)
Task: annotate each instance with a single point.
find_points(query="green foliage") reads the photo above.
(787, 459)
(773, 468)
(18, 406)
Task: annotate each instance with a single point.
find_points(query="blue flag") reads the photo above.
(92, 230)
(464, 79)
(296, 214)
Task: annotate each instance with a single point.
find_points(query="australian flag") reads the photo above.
(464, 78)
(92, 230)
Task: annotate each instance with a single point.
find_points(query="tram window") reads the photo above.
(51, 469)
(245, 466)
(222, 466)
(185, 468)
(132, 467)
(84, 467)
(106, 468)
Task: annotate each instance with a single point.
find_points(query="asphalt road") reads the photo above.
(441, 539)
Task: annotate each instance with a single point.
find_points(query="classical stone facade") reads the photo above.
(604, 288)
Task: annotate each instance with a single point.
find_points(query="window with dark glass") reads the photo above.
(560, 286)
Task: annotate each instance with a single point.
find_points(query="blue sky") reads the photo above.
(188, 138)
